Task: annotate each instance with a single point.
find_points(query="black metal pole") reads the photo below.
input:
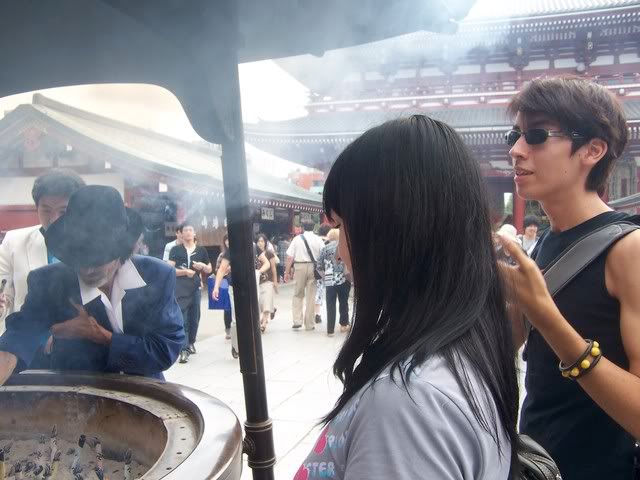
(258, 443)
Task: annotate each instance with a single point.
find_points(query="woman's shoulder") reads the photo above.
(433, 379)
(432, 411)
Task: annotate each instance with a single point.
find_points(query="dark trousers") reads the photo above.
(227, 319)
(341, 293)
(191, 315)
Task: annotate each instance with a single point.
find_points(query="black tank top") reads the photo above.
(557, 413)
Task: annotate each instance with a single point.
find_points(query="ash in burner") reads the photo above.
(35, 459)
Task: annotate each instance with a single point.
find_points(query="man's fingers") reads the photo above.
(513, 249)
(81, 311)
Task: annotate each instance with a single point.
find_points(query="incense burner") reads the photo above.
(175, 431)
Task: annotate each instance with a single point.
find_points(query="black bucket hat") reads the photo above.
(96, 228)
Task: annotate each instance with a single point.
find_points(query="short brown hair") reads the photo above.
(578, 105)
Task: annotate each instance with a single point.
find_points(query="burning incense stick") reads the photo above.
(56, 464)
(40, 451)
(78, 451)
(38, 472)
(54, 442)
(94, 442)
(28, 467)
(99, 473)
(127, 465)
(17, 469)
(2, 467)
(77, 473)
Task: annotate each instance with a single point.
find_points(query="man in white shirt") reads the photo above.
(170, 245)
(304, 265)
(23, 249)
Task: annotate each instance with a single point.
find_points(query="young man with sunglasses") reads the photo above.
(567, 135)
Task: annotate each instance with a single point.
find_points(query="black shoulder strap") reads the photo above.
(582, 252)
(308, 249)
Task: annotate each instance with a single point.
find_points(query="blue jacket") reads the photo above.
(152, 324)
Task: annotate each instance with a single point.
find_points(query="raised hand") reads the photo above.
(82, 326)
(525, 284)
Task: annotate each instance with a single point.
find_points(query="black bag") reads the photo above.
(535, 462)
(316, 274)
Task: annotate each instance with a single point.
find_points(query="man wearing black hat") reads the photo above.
(100, 308)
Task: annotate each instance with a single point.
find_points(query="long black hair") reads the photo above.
(411, 188)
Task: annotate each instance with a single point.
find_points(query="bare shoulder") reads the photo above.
(623, 265)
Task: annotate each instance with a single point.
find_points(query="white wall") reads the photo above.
(17, 190)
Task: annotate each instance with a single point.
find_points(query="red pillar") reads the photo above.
(518, 212)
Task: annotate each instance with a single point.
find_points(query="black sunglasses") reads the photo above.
(537, 136)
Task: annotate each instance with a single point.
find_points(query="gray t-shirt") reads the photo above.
(383, 433)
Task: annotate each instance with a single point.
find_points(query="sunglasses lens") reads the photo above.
(512, 137)
(536, 136)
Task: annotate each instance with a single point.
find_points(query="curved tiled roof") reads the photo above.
(340, 123)
(492, 9)
(155, 151)
(488, 28)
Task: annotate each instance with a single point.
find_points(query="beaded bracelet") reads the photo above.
(584, 364)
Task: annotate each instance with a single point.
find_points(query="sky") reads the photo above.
(268, 93)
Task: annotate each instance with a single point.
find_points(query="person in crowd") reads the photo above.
(102, 309)
(268, 282)
(302, 255)
(173, 243)
(262, 266)
(273, 248)
(24, 249)
(568, 133)
(511, 233)
(283, 246)
(225, 275)
(320, 293)
(430, 388)
(530, 238)
(190, 260)
(336, 284)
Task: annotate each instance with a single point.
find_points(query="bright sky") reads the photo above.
(268, 93)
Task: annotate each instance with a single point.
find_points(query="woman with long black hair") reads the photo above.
(429, 374)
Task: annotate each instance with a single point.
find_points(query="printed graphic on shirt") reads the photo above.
(328, 457)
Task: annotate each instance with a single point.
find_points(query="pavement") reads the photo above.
(300, 385)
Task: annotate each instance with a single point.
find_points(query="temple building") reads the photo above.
(165, 179)
(466, 79)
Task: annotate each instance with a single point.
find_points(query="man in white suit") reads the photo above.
(23, 250)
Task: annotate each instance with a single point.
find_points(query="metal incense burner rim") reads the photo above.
(203, 435)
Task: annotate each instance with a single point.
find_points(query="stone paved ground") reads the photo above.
(300, 385)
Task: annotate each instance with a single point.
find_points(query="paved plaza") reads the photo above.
(300, 385)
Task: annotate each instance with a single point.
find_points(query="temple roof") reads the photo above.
(356, 122)
(501, 9)
(487, 32)
(144, 148)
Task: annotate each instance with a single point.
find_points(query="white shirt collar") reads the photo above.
(127, 278)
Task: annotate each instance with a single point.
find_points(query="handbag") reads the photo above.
(316, 274)
(536, 463)
(224, 300)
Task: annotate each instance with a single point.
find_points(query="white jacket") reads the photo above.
(21, 251)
